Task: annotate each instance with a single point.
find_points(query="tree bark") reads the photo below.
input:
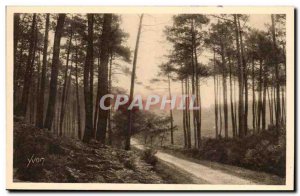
(88, 102)
(253, 97)
(225, 105)
(264, 103)
(63, 98)
(104, 60)
(40, 103)
(128, 131)
(54, 72)
(16, 41)
(171, 112)
(110, 91)
(241, 126)
(216, 98)
(277, 114)
(22, 108)
(245, 80)
(183, 116)
(231, 102)
(79, 135)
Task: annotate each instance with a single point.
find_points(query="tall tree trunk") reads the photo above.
(110, 91)
(183, 116)
(231, 102)
(171, 112)
(97, 98)
(34, 86)
(198, 98)
(104, 60)
(187, 111)
(225, 105)
(54, 72)
(88, 102)
(260, 83)
(283, 106)
(196, 90)
(253, 97)
(17, 74)
(216, 97)
(220, 108)
(270, 105)
(241, 126)
(276, 73)
(245, 79)
(235, 107)
(63, 98)
(38, 84)
(264, 103)
(128, 131)
(57, 112)
(22, 107)
(41, 96)
(16, 40)
(79, 135)
(67, 104)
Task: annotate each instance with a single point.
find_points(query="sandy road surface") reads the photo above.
(204, 173)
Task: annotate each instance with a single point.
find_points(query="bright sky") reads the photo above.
(153, 47)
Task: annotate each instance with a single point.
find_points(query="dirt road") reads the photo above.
(203, 173)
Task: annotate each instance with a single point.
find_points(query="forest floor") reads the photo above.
(41, 156)
(208, 172)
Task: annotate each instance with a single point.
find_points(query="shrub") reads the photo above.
(262, 151)
(130, 163)
(149, 157)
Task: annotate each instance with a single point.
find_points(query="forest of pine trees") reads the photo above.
(64, 64)
(245, 62)
(57, 87)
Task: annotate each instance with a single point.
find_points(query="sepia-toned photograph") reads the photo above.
(186, 98)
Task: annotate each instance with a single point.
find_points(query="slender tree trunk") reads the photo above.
(171, 112)
(41, 96)
(97, 98)
(259, 109)
(16, 40)
(22, 107)
(276, 73)
(104, 60)
(88, 102)
(220, 108)
(128, 132)
(17, 74)
(235, 108)
(253, 98)
(241, 126)
(245, 80)
(110, 91)
(183, 116)
(225, 105)
(196, 90)
(37, 92)
(270, 105)
(231, 102)
(216, 98)
(283, 106)
(77, 97)
(54, 72)
(264, 103)
(67, 101)
(187, 111)
(63, 100)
